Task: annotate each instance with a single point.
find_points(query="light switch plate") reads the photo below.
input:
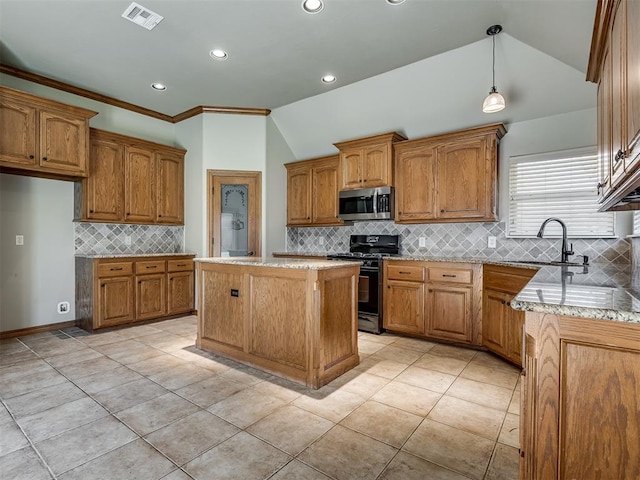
(422, 242)
(127, 240)
(19, 239)
(321, 241)
(491, 242)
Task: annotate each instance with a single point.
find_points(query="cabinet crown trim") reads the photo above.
(381, 138)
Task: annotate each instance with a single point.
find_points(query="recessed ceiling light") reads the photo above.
(158, 86)
(218, 54)
(328, 79)
(395, 2)
(312, 6)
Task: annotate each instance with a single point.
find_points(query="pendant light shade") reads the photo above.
(494, 101)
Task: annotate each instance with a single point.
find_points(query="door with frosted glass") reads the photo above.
(235, 213)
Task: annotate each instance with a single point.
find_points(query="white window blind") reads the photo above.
(636, 222)
(557, 184)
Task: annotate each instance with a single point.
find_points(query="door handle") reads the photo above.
(251, 253)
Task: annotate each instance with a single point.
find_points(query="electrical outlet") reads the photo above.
(491, 242)
(321, 241)
(127, 240)
(19, 239)
(63, 307)
(422, 242)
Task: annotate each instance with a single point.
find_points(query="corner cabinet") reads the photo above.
(614, 64)
(131, 181)
(312, 192)
(437, 300)
(368, 162)
(41, 137)
(448, 178)
(117, 291)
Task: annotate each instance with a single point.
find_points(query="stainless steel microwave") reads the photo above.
(367, 204)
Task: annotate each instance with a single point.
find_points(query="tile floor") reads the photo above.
(143, 403)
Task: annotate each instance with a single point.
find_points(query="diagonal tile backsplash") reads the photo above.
(457, 240)
(110, 238)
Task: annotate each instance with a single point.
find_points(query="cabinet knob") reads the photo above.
(44, 158)
(308, 218)
(128, 214)
(399, 213)
(159, 215)
(442, 211)
(90, 211)
(431, 290)
(31, 157)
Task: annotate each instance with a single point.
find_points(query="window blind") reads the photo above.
(636, 222)
(557, 184)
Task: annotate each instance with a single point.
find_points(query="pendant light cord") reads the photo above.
(493, 85)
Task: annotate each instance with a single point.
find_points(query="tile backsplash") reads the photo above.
(458, 240)
(111, 238)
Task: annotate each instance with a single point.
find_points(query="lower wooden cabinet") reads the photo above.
(433, 299)
(118, 291)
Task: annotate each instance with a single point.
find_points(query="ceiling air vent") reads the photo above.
(142, 16)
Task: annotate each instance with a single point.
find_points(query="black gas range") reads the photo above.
(370, 249)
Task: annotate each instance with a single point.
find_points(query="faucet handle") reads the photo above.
(570, 251)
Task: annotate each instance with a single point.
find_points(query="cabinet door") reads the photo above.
(618, 129)
(17, 132)
(404, 307)
(221, 314)
(449, 312)
(63, 142)
(325, 194)
(529, 413)
(633, 81)
(376, 166)
(299, 196)
(415, 193)
(351, 164)
(170, 188)
(103, 190)
(604, 125)
(495, 320)
(140, 176)
(462, 180)
(150, 296)
(115, 301)
(180, 292)
(513, 344)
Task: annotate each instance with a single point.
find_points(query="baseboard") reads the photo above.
(21, 332)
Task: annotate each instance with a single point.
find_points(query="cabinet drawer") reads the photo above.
(180, 265)
(450, 275)
(150, 266)
(408, 273)
(115, 269)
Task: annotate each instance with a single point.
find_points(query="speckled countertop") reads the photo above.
(128, 255)
(308, 264)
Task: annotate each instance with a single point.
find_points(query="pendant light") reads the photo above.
(494, 101)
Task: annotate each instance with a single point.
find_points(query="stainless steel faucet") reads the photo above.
(565, 252)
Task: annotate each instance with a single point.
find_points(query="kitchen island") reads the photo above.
(290, 317)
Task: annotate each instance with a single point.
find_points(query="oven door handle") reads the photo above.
(369, 269)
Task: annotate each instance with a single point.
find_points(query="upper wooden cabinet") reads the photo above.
(41, 137)
(448, 178)
(312, 192)
(368, 162)
(614, 64)
(131, 181)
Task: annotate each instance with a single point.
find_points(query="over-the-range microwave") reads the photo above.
(367, 204)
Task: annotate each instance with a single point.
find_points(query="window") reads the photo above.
(557, 184)
(636, 222)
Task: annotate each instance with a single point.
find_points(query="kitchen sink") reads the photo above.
(555, 264)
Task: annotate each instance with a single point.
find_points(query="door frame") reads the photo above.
(213, 219)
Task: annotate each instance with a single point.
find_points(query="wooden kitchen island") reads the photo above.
(293, 318)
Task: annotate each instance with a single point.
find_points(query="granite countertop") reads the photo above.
(127, 255)
(302, 263)
(302, 254)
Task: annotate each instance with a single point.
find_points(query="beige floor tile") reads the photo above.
(166, 341)
(23, 464)
(191, 436)
(156, 364)
(381, 367)
(242, 457)
(78, 356)
(514, 406)
(510, 431)
(409, 467)
(56, 346)
(295, 470)
(56, 420)
(417, 344)
(177, 475)
(198, 358)
(406, 397)
(180, 376)
(397, 354)
(243, 374)
(5, 416)
(140, 353)
(279, 388)
(504, 464)
(331, 404)
(14, 372)
(105, 380)
(382, 422)
(368, 347)
(386, 338)
(113, 350)
(29, 383)
(360, 383)
(11, 438)
(464, 354)
(17, 358)
(44, 398)
(212, 390)
(452, 366)
(134, 461)
(347, 455)
(495, 376)
(430, 379)
(82, 444)
(246, 407)
(89, 367)
(490, 360)
(471, 417)
(96, 339)
(291, 429)
(153, 414)
(11, 346)
(449, 447)
(139, 331)
(481, 393)
(129, 394)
